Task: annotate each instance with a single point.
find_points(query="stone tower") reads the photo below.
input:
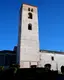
(28, 39)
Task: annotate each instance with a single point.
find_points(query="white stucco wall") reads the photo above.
(60, 60)
(56, 64)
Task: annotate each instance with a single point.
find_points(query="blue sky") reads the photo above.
(51, 23)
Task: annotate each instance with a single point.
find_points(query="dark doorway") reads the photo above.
(47, 66)
(33, 66)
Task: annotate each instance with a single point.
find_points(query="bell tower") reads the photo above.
(28, 39)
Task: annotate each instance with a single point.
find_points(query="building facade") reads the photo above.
(7, 57)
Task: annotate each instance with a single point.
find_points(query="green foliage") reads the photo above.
(15, 67)
(15, 70)
(1, 68)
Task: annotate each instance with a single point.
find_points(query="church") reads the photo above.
(28, 52)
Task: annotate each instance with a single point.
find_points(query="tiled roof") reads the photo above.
(29, 5)
(50, 51)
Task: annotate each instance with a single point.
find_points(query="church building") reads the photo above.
(28, 52)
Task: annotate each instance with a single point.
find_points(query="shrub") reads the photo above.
(14, 65)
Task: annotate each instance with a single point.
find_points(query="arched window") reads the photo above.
(31, 10)
(29, 26)
(28, 9)
(30, 15)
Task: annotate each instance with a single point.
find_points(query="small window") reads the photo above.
(30, 15)
(28, 9)
(31, 10)
(52, 58)
(29, 26)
